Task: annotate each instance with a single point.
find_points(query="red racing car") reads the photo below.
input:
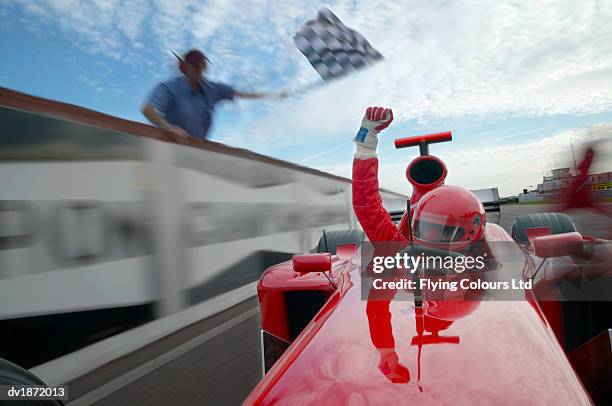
(333, 334)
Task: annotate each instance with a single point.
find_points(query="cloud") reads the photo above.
(444, 60)
(93, 83)
(94, 26)
(514, 167)
(130, 20)
(250, 40)
(467, 59)
(510, 167)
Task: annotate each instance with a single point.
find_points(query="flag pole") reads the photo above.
(301, 90)
(177, 57)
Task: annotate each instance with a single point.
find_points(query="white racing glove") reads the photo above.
(374, 121)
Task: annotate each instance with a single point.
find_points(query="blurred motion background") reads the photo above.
(102, 231)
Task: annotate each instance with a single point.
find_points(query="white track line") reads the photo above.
(150, 366)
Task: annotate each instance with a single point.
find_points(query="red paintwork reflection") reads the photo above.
(430, 321)
(428, 331)
(491, 353)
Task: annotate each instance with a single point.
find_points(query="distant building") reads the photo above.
(561, 173)
(552, 187)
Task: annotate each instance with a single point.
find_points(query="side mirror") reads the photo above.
(312, 263)
(558, 245)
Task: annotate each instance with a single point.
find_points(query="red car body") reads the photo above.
(479, 352)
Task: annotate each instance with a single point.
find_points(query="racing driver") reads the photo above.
(446, 217)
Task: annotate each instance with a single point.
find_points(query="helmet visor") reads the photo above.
(435, 228)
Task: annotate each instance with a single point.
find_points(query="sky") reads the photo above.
(518, 83)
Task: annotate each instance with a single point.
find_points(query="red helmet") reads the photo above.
(448, 217)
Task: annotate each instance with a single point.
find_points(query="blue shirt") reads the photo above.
(189, 109)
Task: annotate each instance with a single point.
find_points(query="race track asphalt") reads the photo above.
(221, 370)
(224, 364)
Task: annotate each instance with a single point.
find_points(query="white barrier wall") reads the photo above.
(94, 218)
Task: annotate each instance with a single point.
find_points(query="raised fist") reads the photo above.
(374, 121)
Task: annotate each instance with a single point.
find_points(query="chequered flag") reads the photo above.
(332, 48)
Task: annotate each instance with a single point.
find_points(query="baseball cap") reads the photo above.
(195, 57)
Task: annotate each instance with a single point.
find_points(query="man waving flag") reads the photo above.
(332, 48)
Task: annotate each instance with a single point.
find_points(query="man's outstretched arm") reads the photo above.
(260, 95)
(367, 202)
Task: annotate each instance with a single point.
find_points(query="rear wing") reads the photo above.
(396, 206)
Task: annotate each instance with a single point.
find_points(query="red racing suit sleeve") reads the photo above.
(367, 203)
